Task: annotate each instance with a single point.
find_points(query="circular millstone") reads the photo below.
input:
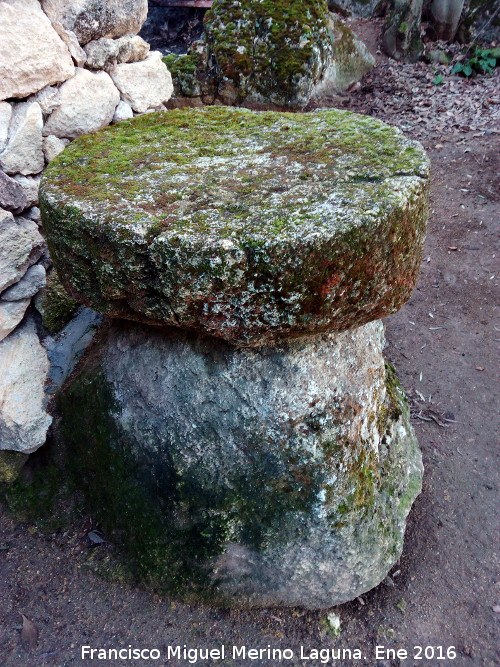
(247, 226)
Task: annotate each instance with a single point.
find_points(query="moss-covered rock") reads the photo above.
(401, 37)
(270, 52)
(248, 226)
(56, 306)
(11, 464)
(278, 476)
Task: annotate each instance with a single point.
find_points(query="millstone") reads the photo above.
(254, 450)
(248, 226)
(273, 477)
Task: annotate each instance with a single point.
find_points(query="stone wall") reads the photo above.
(66, 68)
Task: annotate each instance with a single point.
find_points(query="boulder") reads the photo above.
(23, 152)
(30, 185)
(247, 226)
(86, 103)
(52, 146)
(276, 54)
(145, 84)
(351, 60)
(12, 197)
(32, 281)
(32, 55)
(401, 36)
(48, 98)
(280, 476)
(362, 8)
(23, 419)
(123, 112)
(91, 20)
(70, 39)
(132, 49)
(11, 313)
(102, 53)
(21, 245)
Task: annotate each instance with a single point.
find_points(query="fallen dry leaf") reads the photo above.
(29, 634)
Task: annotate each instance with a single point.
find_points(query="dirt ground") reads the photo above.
(443, 343)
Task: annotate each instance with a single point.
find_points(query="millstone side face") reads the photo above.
(251, 227)
(277, 476)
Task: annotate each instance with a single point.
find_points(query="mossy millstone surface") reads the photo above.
(249, 226)
(278, 476)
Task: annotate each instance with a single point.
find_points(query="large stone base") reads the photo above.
(247, 477)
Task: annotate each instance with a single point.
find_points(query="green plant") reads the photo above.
(483, 61)
(438, 80)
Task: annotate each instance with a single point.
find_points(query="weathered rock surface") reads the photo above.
(145, 84)
(102, 53)
(30, 185)
(12, 197)
(32, 55)
(32, 281)
(132, 48)
(401, 38)
(52, 146)
(21, 245)
(362, 8)
(23, 419)
(70, 39)
(247, 226)
(278, 476)
(5, 116)
(263, 54)
(23, 152)
(86, 103)
(123, 112)
(91, 20)
(11, 313)
(350, 61)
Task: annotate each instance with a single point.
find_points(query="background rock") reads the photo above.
(20, 246)
(91, 20)
(30, 185)
(11, 313)
(32, 281)
(12, 197)
(23, 152)
(132, 48)
(52, 146)
(87, 103)
(70, 39)
(351, 60)
(144, 84)
(123, 112)
(32, 55)
(102, 53)
(23, 419)
(5, 117)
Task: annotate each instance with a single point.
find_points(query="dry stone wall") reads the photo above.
(66, 68)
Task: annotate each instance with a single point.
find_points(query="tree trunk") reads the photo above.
(446, 17)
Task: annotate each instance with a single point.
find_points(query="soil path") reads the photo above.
(444, 345)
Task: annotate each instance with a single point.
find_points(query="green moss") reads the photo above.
(40, 495)
(11, 464)
(56, 305)
(183, 69)
(139, 214)
(168, 520)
